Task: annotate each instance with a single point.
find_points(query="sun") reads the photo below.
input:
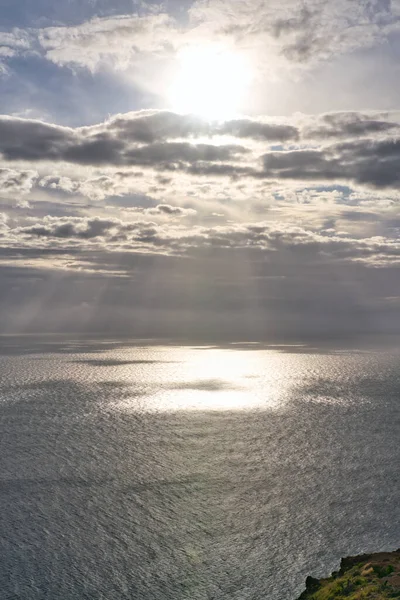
(210, 81)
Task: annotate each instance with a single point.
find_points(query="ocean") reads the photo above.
(157, 471)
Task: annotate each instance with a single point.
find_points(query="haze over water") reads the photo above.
(167, 472)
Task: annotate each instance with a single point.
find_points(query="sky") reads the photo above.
(207, 170)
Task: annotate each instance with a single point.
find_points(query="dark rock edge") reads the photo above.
(313, 584)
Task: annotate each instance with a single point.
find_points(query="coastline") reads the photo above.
(359, 577)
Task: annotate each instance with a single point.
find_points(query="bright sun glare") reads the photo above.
(211, 81)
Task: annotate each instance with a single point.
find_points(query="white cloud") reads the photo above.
(148, 236)
(14, 182)
(276, 34)
(114, 42)
(12, 43)
(292, 32)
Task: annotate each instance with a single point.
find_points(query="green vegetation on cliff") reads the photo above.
(369, 576)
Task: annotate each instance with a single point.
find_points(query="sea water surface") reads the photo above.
(157, 472)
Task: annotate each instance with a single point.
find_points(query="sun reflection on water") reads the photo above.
(208, 379)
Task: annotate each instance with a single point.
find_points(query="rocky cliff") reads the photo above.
(368, 576)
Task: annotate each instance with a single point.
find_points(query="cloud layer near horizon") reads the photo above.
(239, 183)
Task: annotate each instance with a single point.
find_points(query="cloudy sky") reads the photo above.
(209, 169)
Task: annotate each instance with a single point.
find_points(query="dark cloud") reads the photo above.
(100, 150)
(154, 126)
(23, 139)
(167, 209)
(159, 126)
(70, 227)
(130, 140)
(269, 132)
(350, 124)
(84, 228)
(222, 170)
(36, 141)
(175, 152)
(371, 162)
(301, 164)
